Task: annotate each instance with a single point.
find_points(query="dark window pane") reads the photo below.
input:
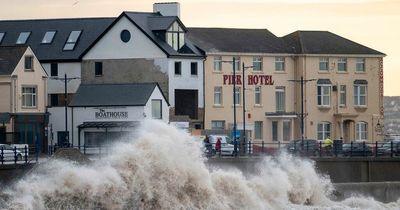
(28, 63)
(54, 69)
(178, 70)
(54, 100)
(98, 68)
(193, 68)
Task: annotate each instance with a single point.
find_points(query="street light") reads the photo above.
(66, 80)
(244, 101)
(302, 83)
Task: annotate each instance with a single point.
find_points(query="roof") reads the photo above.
(325, 42)
(91, 29)
(146, 21)
(9, 58)
(135, 94)
(161, 22)
(236, 40)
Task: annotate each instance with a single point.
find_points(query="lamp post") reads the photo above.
(302, 83)
(244, 100)
(66, 80)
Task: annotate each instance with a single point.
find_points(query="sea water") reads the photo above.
(162, 167)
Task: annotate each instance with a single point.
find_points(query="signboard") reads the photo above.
(182, 125)
(257, 79)
(103, 114)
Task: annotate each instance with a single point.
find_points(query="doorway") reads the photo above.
(186, 103)
(348, 131)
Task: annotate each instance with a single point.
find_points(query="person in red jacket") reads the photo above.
(218, 145)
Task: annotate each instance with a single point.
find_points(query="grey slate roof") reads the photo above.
(9, 58)
(135, 94)
(325, 42)
(161, 23)
(141, 19)
(236, 40)
(91, 29)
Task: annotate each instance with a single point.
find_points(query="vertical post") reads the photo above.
(66, 110)
(244, 108)
(302, 111)
(234, 104)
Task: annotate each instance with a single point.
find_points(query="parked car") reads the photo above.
(7, 152)
(307, 147)
(227, 145)
(356, 149)
(386, 148)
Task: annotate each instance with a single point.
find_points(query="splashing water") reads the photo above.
(163, 168)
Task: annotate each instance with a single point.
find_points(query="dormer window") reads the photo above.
(23, 36)
(48, 37)
(2, 36)
(72, 40)
(175, 36)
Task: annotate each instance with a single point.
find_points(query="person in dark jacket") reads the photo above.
(218, 145)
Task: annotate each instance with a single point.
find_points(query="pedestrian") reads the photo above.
(218, 144)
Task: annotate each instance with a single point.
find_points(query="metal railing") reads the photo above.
(21, 154)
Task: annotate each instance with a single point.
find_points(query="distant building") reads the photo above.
(23, 97)
(343, 84)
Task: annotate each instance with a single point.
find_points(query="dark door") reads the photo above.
(186, 103)
(2, 135)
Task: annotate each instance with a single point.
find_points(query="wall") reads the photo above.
(73, 70)
(165, 108)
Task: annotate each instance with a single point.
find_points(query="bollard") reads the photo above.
(262, 147)
(26, 154)
(249, 148)
(2, 155)
(320, 149)
(364, 152)
(391, 149)
(376, 149)
(351, 149)
(15, 155)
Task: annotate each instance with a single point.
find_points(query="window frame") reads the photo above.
(31, 59)
(342, 95)
(320, 97)
(216, 122)
(344, 62)
(18, 41)
(98, 69)
(274, 131)
(54, 67)
(357, 95)
(175, 36)
(219, 94)
(287, 133)
(160, 117)
(258, 64)
(258, 129)
(359, 126)
(217, 63)
(324, 61)
(178, 66)
(280, 61)
(324, 131)
(236, 64)
(192, 65)
(51, 38)
(362, 63)
(258, 95)
(71, 41)
(280, 90)
(237, 96)
(33, 95)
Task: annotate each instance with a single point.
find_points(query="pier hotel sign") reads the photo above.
(251, 79)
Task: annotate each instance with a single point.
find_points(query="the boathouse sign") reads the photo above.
(103, 114)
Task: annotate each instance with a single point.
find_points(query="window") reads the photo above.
(156, 109)
(23, 37)
(28, 97)
(193, 68)
(279, 64)
(54, 69)
(342, 101)
(175, 36)
(54, 101)
(237, 96)
(361, 131)
(324, 95)
(72, 40)
(218, 124)
(360, 95)
(342, 64)
(236, 65)
(257, 95)
(178, 68)
(2, 34)
(324, 64)
(98, 69)
(48, 37)
(324, 130)
(258, 129)
(217, 63)
(360, 65)
(274, 130)
(257, 64)
(217, 95)
(29, 63)
(286, 130)
(280, 99)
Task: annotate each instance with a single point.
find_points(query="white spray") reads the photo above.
(163, 168)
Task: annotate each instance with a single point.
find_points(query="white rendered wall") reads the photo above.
(57, 123)
(186, 80)
(110, 45)
(71, 69)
